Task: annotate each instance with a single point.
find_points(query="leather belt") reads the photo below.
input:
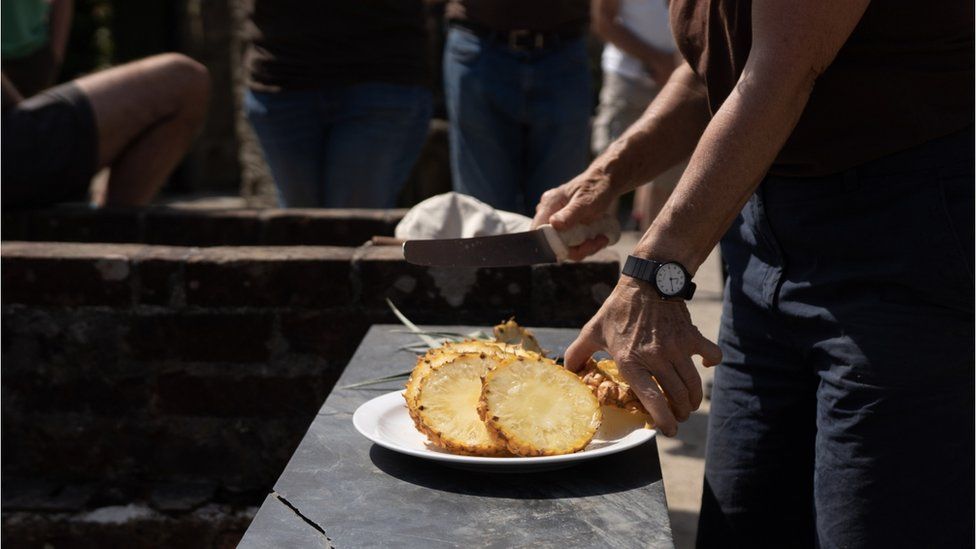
(521, 39)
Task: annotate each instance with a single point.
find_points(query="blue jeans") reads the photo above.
(842, 414)
(519, 121)
(340, 146)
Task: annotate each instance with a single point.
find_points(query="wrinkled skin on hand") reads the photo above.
(648, 336)
(582, 200)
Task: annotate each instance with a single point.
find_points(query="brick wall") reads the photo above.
(199, 227)
(134, 370)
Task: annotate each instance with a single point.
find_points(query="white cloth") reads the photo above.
(649, 21)
(453, 215)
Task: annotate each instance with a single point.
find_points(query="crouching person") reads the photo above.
(137, 120)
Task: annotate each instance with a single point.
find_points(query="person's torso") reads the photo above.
(23, 27)
(648, 20)
(904, 76)
(534, 15)
(300, 44)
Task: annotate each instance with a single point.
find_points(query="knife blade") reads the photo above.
(541, 245)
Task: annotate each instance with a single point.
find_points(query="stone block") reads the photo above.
(85, 393)
(245, 454)
(160, 275)
(442, 295)
(332, 334)
(569, 294)
(134, 526)
(13, 225)
(298, 276)
(76, 223)
(187, 227)
(201, 337)
(222, 391)
(76, 447)
(327, 227)
(181, 496)
(67, 275)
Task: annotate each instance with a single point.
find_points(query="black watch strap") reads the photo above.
(645, 269)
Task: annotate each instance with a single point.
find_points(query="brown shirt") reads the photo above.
(905, 76)
(534, 15)
(302, 44)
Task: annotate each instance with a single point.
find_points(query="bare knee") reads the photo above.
(187, 78)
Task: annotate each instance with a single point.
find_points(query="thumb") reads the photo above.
(571, 214)
(710, 352)
(581, 350)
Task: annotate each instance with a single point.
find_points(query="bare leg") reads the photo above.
(147, 113)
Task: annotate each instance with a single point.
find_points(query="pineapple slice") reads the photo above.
(445, 353)
(610, 387)
(537, 408)
(447, 406)
(511, 332)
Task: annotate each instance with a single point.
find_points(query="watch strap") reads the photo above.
(640, 268)
(645, 269)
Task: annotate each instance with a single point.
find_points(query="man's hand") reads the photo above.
(582, 200)
(647, 337)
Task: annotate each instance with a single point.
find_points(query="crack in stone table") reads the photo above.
(362, 495)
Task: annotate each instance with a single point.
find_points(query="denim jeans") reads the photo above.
(519, 120)
(340, 146)
(842, 414)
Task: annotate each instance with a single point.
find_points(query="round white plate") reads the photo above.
(385, 421)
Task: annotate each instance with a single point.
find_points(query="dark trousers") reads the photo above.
(842, 414)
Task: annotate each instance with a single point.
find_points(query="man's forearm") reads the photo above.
(663, 136)
(731, 159)
(793, 43)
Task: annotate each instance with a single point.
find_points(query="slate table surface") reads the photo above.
(340, 490)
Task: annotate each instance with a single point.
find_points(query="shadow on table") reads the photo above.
(621, 472)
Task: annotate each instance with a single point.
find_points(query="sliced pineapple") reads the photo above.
(447, 352)
(447, 406)
(510, 332)
(537, 408)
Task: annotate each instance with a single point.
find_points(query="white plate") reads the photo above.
(385, 421)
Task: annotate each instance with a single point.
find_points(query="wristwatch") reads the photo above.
(669, 278)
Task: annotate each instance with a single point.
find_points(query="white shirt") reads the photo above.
(649, 21)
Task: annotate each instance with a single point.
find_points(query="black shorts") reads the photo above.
(49, 149)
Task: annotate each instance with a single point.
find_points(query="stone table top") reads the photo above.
(340, 490)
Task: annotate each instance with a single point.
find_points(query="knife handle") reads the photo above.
(561, 241)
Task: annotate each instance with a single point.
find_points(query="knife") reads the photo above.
(541, 245)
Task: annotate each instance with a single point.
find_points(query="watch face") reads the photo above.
(670, 279)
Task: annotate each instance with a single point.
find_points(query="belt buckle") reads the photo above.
(515, 41)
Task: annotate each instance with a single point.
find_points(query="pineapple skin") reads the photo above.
(511, 441)
(610, 388)
(493, 448)
(510, 332)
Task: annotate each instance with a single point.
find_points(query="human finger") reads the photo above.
(579, 209)
(686, 370)
(588, 247)
(675, 389)
(651, 396)
(551, 202)
(580, 350)
(710, 352)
